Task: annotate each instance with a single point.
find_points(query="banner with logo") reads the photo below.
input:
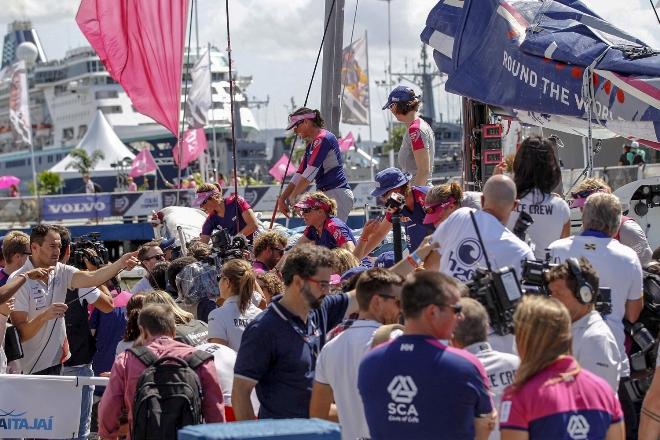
(135, 204)
(355, 84)
(75, 206)
(39, 406)
(19, 103)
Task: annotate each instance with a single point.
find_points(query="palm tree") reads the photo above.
(83, 162)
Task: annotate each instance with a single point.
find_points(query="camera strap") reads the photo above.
(481, 242)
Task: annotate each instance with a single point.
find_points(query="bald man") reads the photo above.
(455, 242)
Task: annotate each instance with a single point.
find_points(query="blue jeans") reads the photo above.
(87, 394)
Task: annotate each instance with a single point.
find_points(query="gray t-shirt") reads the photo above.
(632, 235)
(228, 323)
(419, 136)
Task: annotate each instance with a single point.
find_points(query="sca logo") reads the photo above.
(578, 427)
(402, 390)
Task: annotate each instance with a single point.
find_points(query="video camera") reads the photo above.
(89, 247)
(395, 202)
(225, 247)
(534, 282)
(499, 292)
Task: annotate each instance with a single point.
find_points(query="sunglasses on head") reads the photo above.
(583, 194)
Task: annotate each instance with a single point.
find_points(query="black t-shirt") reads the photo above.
(624, 159)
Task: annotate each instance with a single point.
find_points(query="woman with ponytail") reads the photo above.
(552, 397)
(237, 285)
(322, 163)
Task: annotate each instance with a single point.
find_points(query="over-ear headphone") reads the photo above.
(585, 292)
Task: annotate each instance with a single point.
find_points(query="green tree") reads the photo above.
(49, 183)
(394, 143)
(83, 162)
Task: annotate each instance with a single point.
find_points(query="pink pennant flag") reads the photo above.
(141, 45)
(279, 169)
(143, 163)
(346, 142)
(194, 144)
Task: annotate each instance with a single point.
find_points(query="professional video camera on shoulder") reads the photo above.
(89, 247)
(535, 281)
(225, 247)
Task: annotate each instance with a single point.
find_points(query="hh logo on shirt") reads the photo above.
(578, 427)
(402, 390)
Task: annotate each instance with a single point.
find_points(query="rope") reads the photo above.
(233, 122)
(309, 88)
(185, 98)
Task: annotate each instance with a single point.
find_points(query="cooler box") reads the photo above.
(287, 429)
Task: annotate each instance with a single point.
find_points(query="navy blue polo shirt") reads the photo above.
(278, 351)
(415, 387)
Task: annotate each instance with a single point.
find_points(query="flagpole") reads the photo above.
(371, 147)
(203, 164)
(215, 145)
(185, 98)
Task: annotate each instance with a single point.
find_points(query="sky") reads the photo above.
(276, 42)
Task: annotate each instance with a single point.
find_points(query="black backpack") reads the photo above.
(168, 395)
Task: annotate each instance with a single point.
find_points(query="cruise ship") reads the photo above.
(66, 94)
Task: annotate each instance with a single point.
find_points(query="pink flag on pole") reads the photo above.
(143, 163)
(278, 170)
(194, 144)
(346, 142)
(141, 45)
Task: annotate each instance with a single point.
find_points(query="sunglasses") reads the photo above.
(456, 308)
(159, 257)
(322, 284)
(297, 124)
(583, 194)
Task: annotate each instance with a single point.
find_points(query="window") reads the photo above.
(67, 133)
(82, 129)
(106, 94)
(109, 109)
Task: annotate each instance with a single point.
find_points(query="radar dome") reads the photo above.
(27, 52)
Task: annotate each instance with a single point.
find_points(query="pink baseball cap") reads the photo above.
(435, 211)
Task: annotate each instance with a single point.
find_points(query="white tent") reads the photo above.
(99, 136)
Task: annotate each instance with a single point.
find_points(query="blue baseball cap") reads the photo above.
(350, 273)
(167, 244)
(385, 260)
(400, 94)
(388, 179)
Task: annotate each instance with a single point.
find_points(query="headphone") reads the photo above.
(585, 292)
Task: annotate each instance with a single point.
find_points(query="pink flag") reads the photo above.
(194, 145)
(346, 142)
(278, 170)
(143, 163)
(141, 45)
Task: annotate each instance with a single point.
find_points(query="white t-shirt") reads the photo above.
(33, 298)
(550, 214)
(595, 348)
(618, 268)
(337, 366)
(500, 369)
(228, 323)
(142, 285)
(224, 359)
(461, 250)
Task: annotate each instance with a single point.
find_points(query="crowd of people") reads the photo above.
(325, 328)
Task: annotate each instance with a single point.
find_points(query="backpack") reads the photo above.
(168, 395)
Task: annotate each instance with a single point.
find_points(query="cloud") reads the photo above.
(36, 10)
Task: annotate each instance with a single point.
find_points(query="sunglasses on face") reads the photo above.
(159, 257)
(456, 308)
(396, 300)
(297, 124)
(325, 285)
(583, 194)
